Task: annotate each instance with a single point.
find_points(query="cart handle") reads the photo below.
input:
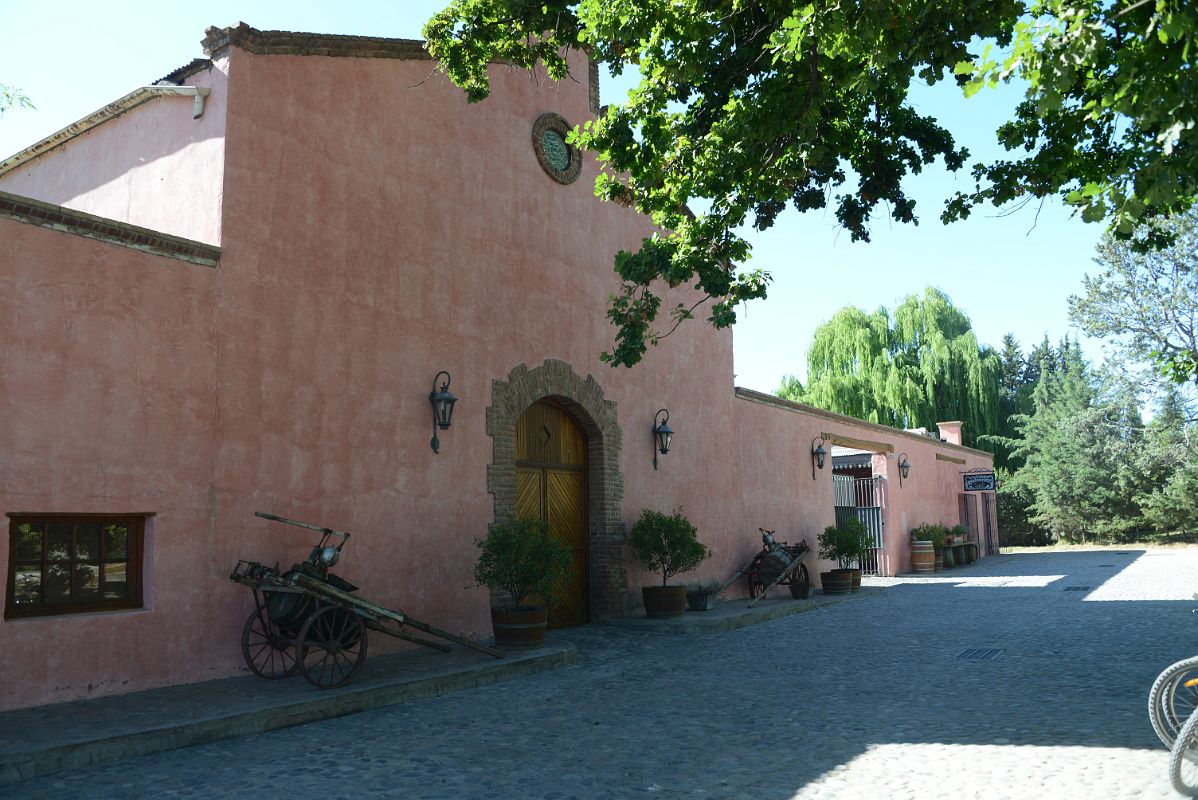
(326, 531)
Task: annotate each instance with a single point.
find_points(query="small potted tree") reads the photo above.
(520, 563)
(846, 545)
(668, 545)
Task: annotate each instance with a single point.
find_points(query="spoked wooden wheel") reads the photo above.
(267, 651)
(800, 583)
(332, 646)
(756, 587)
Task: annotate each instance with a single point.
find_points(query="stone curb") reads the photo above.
(733, 614)
(21, 764)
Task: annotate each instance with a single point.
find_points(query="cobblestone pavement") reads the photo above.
(868, 698)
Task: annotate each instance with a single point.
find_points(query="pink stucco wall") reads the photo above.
(153, 166)
(375, 229)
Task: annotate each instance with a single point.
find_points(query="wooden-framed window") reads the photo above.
(72, 563)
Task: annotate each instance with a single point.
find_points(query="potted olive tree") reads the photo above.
(520, 563)
(846, 544)
(668, 545)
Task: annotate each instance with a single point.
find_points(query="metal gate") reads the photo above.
(862, 498)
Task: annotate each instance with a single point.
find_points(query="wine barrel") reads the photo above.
(923, 557)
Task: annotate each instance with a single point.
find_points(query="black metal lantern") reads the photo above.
(662, 433)
(904, 467)
(442, 402)
(818, 454)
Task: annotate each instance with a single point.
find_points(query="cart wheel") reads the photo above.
(331, 646)
(800, 583)
(268, 653)
(756, 587)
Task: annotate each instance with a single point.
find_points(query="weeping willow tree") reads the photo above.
(913, 368)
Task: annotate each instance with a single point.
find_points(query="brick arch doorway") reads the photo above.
(551, 471)
(582, 399)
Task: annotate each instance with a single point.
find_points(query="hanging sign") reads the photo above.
(980, 482)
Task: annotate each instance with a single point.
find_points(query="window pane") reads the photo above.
(58, 583)
(87, 583)
(115, 585)
(58, 541)
(87, 541)
(27, 586)
(116, 541)
(29, 542)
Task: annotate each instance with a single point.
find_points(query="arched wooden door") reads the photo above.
(551, 461)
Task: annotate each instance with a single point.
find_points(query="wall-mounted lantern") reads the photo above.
(663, 435)
(904, 467)
(818, 454)
(442, 402)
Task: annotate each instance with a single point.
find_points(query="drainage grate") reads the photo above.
(1078, 588)
(979, 654)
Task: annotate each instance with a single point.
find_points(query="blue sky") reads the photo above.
(1009, 274)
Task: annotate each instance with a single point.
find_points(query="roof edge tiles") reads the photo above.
(294, 43)
(78, 223)
(176, 77)
(801, 408)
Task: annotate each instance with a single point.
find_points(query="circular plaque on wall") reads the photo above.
(562, 161)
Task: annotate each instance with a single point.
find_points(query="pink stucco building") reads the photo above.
(234, 297)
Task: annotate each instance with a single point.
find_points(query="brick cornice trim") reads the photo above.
(831, 416)
(66, 220)
(294, 43)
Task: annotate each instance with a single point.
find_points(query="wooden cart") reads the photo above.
(778, 564)
(309, 620)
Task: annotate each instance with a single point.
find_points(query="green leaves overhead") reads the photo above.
(1107, 123)
(747, 107)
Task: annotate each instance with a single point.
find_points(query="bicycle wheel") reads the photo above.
(1183, 759)
(1170, 702)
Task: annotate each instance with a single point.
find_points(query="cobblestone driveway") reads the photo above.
(868, 698)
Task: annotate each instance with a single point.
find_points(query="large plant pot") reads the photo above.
(522, 627)
(700, 601)
(940, 559)
(971, 552)
(664, 601)
(856, 578)
(948, 556)
(923, 557)
(838, 581)
(959, 553)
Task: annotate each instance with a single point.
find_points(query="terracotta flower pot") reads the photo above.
(521, 627)
(664, 601)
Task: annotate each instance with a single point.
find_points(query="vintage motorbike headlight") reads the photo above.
(329, 556)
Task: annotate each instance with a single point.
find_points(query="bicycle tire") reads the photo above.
(1183, 759)
(1162, 712)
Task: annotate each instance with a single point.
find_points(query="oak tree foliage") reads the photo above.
(745, 107)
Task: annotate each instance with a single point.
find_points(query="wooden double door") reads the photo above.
(551, 485)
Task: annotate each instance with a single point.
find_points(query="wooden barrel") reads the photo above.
(923, 557)
(520, 627)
